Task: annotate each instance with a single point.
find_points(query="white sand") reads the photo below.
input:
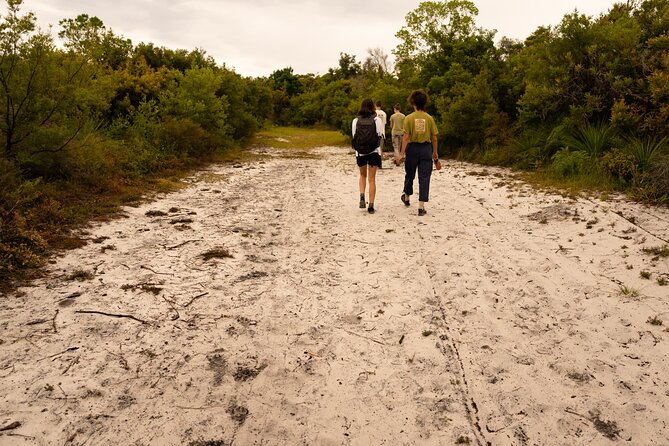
(496, 318)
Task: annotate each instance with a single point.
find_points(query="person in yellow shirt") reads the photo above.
(397, 128)
(419, 145)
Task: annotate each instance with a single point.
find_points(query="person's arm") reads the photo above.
(403, 151)
(435, 146)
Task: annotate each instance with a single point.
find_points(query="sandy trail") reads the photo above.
(495, 319)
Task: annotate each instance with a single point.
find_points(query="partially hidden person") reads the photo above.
(384, 119)
(367, 131)
(397, 129)
(419, 146)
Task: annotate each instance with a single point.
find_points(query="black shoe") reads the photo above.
(405, 200)
(370, 209)
(421, 212)
(363, 204)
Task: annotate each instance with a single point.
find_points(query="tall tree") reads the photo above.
(88, 37)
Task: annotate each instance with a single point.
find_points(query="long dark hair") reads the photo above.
(367, 109)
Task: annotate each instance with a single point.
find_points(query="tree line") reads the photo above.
(587, 98)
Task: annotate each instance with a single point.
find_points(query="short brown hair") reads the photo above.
(418, 99)
(397, 107)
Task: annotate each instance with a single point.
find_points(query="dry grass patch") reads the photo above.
(80, 275)
(216, 253)
(655, 320)
(295, 138)
(658, 251)
(155, 213)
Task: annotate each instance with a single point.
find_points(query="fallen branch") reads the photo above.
(73, 362)
(95, 268)
(181, 244)
(199, 408)
(53, 321)
(37, 322)
(126, 316)
(364, 337)
(10, 426)
(155, 272)
(171, 304)
(71, 349)
(196, 297)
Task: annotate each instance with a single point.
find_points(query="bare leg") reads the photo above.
(372, 183)
(362, 181)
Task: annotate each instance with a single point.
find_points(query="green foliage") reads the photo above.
(569, 164)
(465, 117)
(101, 113)
(620, 164)
(644, 152)
(591, 139)
(348, 67)
(284, 80)
(20, 245)
(654, 184)
(425, 26)
(88, 37)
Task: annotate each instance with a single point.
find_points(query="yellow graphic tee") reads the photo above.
(420, 126)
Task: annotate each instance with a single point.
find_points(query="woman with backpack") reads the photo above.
(420, 147)
(367, 131)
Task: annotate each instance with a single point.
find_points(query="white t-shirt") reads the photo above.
(382, 115)
(379, 131)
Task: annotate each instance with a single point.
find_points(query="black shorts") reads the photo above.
(373, 159)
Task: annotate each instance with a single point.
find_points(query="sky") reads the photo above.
(256, 37)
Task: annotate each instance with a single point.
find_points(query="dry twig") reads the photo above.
(127, 316)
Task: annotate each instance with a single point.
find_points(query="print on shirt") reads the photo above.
(421, 124)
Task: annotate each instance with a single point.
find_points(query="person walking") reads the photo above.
(384, 119)
(397, 129)
(367, 130)
(419, 145)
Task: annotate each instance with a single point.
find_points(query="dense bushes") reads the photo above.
(85, 122)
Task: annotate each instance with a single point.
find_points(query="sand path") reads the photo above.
(495, 319)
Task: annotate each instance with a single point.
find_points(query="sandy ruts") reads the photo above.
(497, 318)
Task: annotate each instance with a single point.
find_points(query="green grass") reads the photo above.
(299, 138)
(593, 182)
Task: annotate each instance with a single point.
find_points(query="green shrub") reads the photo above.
(654, 183)
(592, 139)
(620, 164)
(20, 245)
(186, 138)
(645, 151)
(568, 164)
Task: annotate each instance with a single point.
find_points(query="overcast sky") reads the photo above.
(256, 37)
